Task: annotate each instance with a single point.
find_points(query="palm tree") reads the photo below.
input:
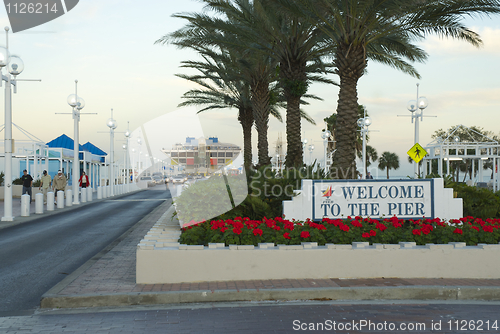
(250, 25)
(388, 161)
(223, 92)
(384, 31)
(292, 42)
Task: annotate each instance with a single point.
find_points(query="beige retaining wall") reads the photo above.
(169, 263)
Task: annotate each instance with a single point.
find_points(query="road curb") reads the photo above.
(52, 293)
(444, 293)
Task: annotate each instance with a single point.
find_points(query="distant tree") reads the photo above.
(387, 161)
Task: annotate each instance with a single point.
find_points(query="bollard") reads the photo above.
(50, 201)
(60, 199)
(84, 195)
(39, 203)
(99, 192)
(89, 194)
(25, 205)
(69, 197)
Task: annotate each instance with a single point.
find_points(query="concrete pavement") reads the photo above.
(108, 279)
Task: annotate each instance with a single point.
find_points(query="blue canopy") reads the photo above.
(88, 146)
(64, 142)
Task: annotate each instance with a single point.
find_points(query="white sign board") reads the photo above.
(372, 198)
(406, 199)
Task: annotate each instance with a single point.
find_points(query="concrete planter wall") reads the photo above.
(183, 263)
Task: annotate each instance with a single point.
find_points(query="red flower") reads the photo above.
(381, 227)
(286, 235)
(257, 231)
(237, 230)
(373, 233)
(344, 228)
(365, 235)
(416, 232)
(488, 228)
(458, 231)
(475, 228)
(356, 223)
(223, 229)
(304, 234)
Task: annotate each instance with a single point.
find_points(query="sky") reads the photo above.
(108, 46)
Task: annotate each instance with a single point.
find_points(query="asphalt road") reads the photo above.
(36, 255)
(271, 317)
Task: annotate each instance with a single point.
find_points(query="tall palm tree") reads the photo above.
(257, 70)
(292, 42)
(388, 161)
(249, 25)
(384, 31)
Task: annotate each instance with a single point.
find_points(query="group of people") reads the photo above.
(46, 182)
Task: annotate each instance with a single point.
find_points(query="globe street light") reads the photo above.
(77, 103)
(364, 123)
(15, 66)
(127, 136)
(325, 134)
(413, 106)
(311, 149)
(112, 125)
(125, 172)
(304, 144)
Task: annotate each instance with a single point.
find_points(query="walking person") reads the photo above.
(27, 183)
(45, 185)
(59, 182)
(84, 180)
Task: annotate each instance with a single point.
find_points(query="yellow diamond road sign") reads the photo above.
(417, 153)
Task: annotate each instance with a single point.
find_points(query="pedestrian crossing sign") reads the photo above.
(417, 153)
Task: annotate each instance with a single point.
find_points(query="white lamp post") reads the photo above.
(15, 66)
(311, 149)
(413, 106)
(77, 103)
(304, 144)
(127, 136)
(112, 125)
(124, 146)
(364, 123)
(325, 134)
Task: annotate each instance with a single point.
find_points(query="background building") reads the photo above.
(202, 155)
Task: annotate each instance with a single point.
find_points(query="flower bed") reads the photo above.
(280, 231)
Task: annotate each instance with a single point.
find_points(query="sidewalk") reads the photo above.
(108, 279)
(18, 219)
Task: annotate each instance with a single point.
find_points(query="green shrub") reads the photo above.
(18, 182)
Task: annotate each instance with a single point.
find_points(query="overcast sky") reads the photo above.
(109, 47)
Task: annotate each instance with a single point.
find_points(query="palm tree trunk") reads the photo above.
(387, 172)
(294, 80)
(294, 152)
(245, 117)
(350, 64)
(260, 103)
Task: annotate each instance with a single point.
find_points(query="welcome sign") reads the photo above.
(372, 198)
(406, 199)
